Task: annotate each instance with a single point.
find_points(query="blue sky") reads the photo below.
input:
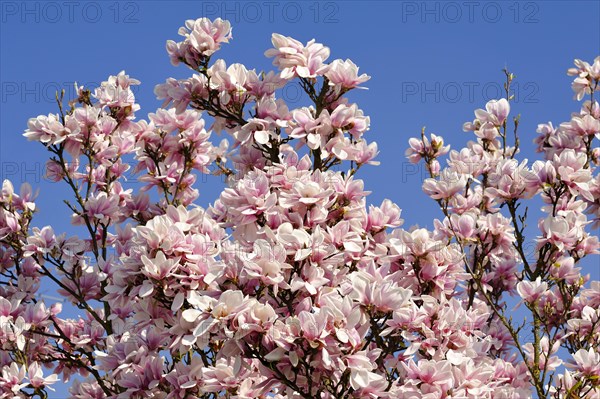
(432, 63)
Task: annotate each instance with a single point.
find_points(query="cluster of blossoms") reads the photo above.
(290, 285)
(243, 102)
(481, 192)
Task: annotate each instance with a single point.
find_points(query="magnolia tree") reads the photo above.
(289, 286)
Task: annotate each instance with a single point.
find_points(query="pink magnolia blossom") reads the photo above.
(532, 291)
(586, 362)
(345, 74)
(296, 59)
(202, 38)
